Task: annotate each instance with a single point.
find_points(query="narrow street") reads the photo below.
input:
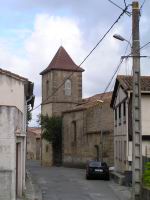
(60, 183)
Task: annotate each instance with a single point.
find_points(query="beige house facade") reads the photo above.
(122, 105)
(34, 143)
(61, 91)
(17, 93)
(88, 132)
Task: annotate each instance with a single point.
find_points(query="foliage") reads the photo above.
(51, 129)
(39, 119)
(146, 176)
(29, 114)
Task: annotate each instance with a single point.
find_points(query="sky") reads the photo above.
(33, 30)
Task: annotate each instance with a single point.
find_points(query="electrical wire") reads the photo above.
(116, 21)
(118, 67)
(125, 3)
(127, 12)
(142, 4)
(115, 5)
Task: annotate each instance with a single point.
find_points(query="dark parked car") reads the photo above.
(97, 169)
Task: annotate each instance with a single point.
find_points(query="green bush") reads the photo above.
(51, 129)
(146, 175)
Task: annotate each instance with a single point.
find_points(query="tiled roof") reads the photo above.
(126, 82)
(36, 131)
(13, 75)
(92, 101)
(62, 61)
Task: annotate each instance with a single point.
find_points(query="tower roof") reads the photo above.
(62, 61)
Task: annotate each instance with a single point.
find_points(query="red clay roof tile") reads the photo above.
(62, 61)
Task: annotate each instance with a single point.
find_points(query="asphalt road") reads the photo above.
(60, 183)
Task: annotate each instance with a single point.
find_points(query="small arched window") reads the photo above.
(68, 87)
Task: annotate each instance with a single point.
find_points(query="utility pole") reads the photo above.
(136, 106)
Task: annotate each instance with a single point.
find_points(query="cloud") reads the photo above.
(76, 25)
(39, 47)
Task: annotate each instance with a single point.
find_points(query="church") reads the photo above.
(62, 96)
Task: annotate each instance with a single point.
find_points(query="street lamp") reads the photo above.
(119, 37)
(136, 105)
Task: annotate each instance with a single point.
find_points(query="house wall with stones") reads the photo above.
(55, 104)
(34, 143)
(99, 123)
(73, 138)
(47, 153)
(88, 135)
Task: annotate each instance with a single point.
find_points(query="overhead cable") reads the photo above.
(118, 67)
(116, 21)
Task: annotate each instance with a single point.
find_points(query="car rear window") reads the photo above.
(97, 164)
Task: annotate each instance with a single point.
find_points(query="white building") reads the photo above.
(15, 93)
(122, 106)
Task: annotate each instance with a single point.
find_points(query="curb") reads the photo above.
(32, 191)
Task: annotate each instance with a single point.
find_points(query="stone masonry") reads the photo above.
(88, 132)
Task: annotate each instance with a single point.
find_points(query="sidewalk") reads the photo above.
(32, 191)
(122, 192)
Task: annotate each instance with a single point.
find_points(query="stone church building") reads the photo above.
(61, 91)
(88, 132)
(84, 120)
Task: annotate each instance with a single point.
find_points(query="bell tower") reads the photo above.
(61, 84)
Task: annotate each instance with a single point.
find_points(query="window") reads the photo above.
(124, 151)
(124, 109)
(120, 150)
(115, 114)
(120, 114)
(116, 117)
(116, 153)
(124, 112)
(68, 87)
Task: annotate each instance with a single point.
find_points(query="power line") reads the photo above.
(116, 21)
(115, 4)
(125, 3)
(118, 67)
(116, 70)
(127, 12)
(142, 4)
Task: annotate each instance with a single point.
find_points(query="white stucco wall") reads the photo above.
(7, 153)
(121, 133)
(11, 92)
(121, 95)
(13, 110)
(11, 120)
(145, 109)
(145, 149)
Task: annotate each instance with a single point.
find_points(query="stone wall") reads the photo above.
(94, 135)
(53, 79)
(72, 142)
(47, 157)
(145, 193)
(55, 104)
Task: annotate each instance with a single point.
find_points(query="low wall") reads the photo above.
(145, 194)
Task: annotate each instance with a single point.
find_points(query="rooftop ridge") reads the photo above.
(62, 61)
